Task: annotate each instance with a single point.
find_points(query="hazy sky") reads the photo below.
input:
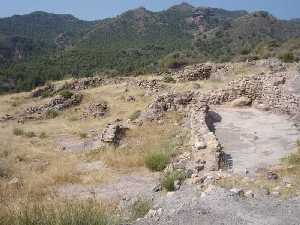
(98, 9)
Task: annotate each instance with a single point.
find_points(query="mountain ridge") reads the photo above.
(42, 46)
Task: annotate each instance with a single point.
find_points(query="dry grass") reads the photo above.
(59, 213)
(41, 166)
(142, 140)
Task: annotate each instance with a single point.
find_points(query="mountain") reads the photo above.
(37, 33)
(40, 46)
(243, 34)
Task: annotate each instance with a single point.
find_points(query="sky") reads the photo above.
(99, 9)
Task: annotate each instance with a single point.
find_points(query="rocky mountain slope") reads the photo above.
(40, 46)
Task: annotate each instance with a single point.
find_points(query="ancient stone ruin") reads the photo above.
(96, 110)
(113, 133)
(57, 103)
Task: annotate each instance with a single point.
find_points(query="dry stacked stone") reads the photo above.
(194, 72)
(57, 103)
(167, 102)
(265, 91)
(113, 133)
(96, 110)
(39, 91)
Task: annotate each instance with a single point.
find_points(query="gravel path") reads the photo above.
(221, 207)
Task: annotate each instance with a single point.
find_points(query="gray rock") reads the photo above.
(242, 101)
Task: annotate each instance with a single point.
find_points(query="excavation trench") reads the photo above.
(254, 139)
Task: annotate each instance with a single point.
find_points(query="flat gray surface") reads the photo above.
(255, 139)
(219, 207)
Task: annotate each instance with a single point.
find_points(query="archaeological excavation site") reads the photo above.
(216, 140)
(165, 115)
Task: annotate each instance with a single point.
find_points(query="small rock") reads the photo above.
(196, 180)
(272, 176)
(15, 182)
(199, 168)
(177, 185)
(200, 145)
(242, 101)
(238, 192)
(157, 188)
(203, 194)
(131, 99)
(265, 191)
(277, 188)
(170, 194)
(249, 194)
(288, 185)
(275, 193)
(154, 213)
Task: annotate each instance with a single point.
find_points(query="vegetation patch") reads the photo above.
(157, 161)
(288, 57)
(168, 182)
(70, 213)
(20, 132)
(168, 79)
(140, 208)
(66, 94)
(294, 158)
(51, 114)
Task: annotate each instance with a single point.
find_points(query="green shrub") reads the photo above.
(170, 178)
(51, 114)
(168, 79)
(135, 115)
(66, 94)
(288, 57)
(156, 161)
(18, 131)
(140, 208)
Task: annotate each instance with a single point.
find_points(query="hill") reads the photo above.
(40, 46)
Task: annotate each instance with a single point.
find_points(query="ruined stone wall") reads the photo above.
(267, 92)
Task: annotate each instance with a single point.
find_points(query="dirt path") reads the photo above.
(127, 186)
(254, 139)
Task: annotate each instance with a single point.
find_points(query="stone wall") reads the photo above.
(268, 92)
